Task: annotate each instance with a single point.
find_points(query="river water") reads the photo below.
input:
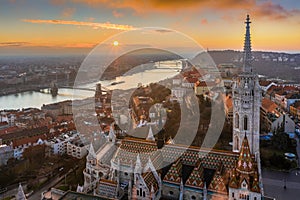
(37, 99)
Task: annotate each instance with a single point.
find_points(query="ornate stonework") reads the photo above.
(246, 102)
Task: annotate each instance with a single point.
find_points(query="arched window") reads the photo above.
(245, 123)
(237, 119)
(236, 143)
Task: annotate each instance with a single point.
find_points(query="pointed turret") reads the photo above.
(181, 190)
(20, 195)
(138, 165)
(150, 135)
(112, 135)
(245, 161)
(247, 48)
(92, 154)
(152, 192)
(149, 166)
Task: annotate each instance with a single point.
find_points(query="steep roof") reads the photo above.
(246, 170)
(150, 181)
(245, 162)
(218, 184)
(196, 179)
(175, 173)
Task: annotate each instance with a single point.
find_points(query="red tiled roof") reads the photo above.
(9, 130)
(268, 105)
(264, 83)
(27, 140)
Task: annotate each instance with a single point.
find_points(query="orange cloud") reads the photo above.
(106, 25)
(117, 14)
(204, 21)
(264, 9)
(13, 44)
(68, 12)
(274, 11)
(169, 5)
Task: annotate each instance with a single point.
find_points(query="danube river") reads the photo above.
(37, 99)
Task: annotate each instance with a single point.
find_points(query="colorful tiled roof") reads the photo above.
(175, 173)
(196, 179)
(246, 170)
(150, 181)
(218, 183)
(131, 147)
(245, 162)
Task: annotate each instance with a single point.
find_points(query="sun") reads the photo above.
(116, 43)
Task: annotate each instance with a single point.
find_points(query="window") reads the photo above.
(171, 192)
(245, 123)
(237, 120)
(137, 192)
(236, 147)
(144, 194)
(255, 198)
(193, 197)
(232, 194)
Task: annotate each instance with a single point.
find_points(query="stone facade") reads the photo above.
(246, 102)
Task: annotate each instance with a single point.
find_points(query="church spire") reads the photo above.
(20, 195)
(150, 135)
(92, 154)
(247, 48)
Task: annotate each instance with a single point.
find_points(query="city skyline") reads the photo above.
(78, 25)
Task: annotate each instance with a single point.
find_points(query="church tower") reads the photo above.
(246, 100)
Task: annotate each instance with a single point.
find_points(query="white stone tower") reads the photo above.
(246, 101)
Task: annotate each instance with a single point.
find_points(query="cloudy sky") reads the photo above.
(75, 25)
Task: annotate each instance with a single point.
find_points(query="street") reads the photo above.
(274, 182)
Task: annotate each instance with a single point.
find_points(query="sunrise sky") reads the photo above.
(29, 26)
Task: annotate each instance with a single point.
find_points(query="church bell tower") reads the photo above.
(246, 101)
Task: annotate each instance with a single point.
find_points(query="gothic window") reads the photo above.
(141, 192)
(144, 194)
(255, 198)
(232, 194)
(137, 192)
(245, 123)
(236, 143)
(237, 120)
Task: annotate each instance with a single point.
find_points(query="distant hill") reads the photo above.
(132, 59)
(270, 64)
